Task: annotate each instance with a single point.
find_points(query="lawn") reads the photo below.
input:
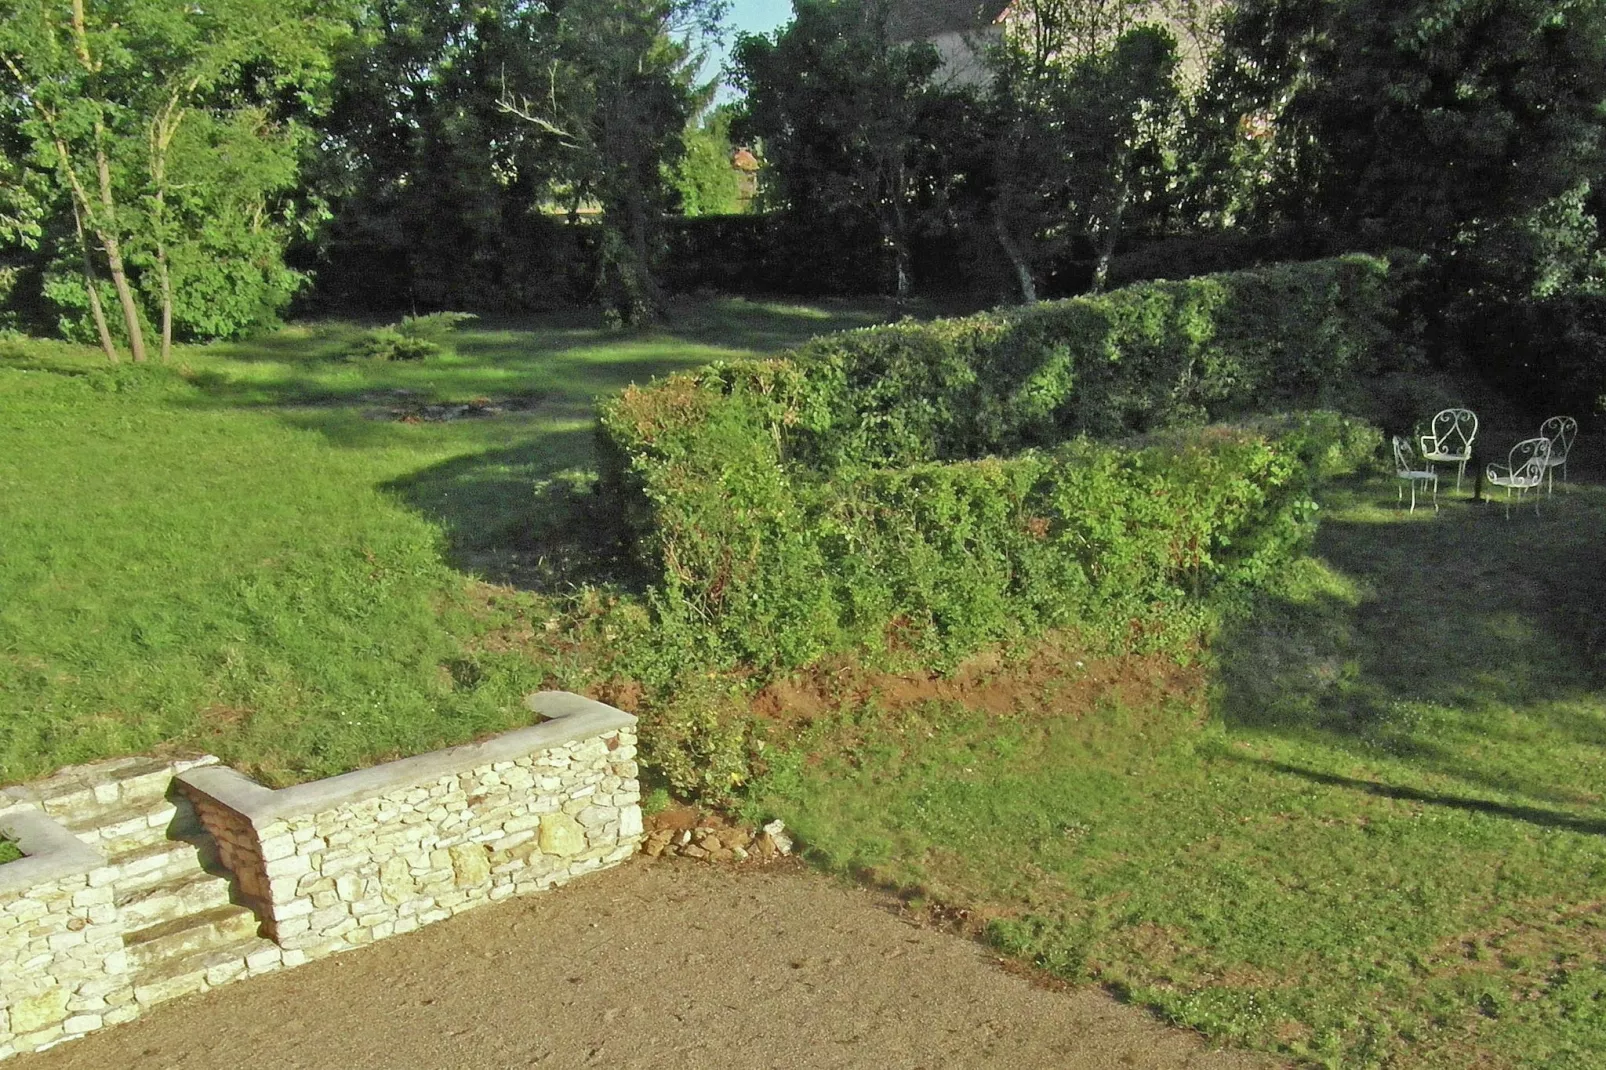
(266, 555)
(1375, 838)
(1368, 830)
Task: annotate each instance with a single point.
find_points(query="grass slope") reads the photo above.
(1380, 840)
(259, 560)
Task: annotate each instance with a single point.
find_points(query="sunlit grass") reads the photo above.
(250, 554)
(1380, 840)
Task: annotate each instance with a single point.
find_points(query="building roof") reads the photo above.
(921, 20)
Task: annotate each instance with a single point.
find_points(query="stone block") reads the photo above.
(561, 835)
(471, 865)
(630, 822)
(596, 817)
(39, 1012)
(263, 959)
(395, 880)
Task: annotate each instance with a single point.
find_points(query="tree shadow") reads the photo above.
(1458, 643)
(518, 517)
(1553, 819)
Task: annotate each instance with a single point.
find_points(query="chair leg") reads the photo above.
(1436, 493)
(1413, 495)
(1460, 471)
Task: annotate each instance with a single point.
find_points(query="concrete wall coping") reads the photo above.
(569, 717)
(49, 851)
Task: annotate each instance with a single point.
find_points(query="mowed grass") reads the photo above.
(1379, 840)
(254, 556)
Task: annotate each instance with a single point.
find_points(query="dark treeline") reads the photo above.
(174, 171)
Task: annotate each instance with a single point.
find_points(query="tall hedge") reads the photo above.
(938, 486)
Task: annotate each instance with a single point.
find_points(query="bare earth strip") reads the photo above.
(655, 965)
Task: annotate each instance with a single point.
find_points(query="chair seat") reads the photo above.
(1407, 474)
(1447, 456)
(1515, 482)
(1555, 462)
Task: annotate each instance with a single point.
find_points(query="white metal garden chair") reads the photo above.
(1523, 471)
(1560, 430)
(1451, 440)
(1407, 470)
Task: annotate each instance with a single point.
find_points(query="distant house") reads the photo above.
(963, 30)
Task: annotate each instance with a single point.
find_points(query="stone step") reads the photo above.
(185, 975)
(188, 893)
(82, 796)
(157, 863)
(206, 930)
(127, 828)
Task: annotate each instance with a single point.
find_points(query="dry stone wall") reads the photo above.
(125, 899)
(343, 862)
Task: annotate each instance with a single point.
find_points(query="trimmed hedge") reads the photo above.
(936, 487)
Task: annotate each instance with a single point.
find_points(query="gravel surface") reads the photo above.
(656, 965)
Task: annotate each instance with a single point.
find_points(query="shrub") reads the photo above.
(924, 489)
(414, 338)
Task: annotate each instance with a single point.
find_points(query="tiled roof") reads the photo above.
(921, 20)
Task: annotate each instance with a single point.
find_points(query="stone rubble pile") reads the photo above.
(712, 840)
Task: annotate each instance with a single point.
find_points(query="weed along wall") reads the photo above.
(145, 880)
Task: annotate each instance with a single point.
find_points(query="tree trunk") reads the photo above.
(1109, 236)
(114, 258)
(1023, 270)
(92, 289)
(166, 281)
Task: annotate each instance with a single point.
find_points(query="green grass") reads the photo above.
(256, 559)
(8, 852)
(1381, 839)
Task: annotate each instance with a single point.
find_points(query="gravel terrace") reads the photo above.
(659, 965)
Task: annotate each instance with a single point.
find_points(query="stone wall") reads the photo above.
(145, 880)
(62, 966)
(342, 862)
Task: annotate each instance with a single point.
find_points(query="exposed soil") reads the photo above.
(655, 965)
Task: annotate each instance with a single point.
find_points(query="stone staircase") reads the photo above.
(184, 933)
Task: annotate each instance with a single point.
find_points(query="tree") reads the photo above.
(1083, 100)
(842, 111)
(610, 107)
(171, 130)
(1420, 122)
(706, 180)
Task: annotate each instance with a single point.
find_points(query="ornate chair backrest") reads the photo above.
(1561, 430)
(1454, 430)
(1404, 456)
(1528, 460)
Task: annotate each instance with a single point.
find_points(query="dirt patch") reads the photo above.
(409, 410)
(655, 966)
(1055, 676)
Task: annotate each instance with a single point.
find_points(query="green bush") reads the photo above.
(414, 338)
(926, 489)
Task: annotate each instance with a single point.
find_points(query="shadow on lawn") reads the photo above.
(524, 518)
(1555, 819)
(1457, 643)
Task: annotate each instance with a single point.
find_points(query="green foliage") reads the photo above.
(172, 135)
(414, 338)
(850, 497)
(706, 179)
(848, 117)
(8, 851)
